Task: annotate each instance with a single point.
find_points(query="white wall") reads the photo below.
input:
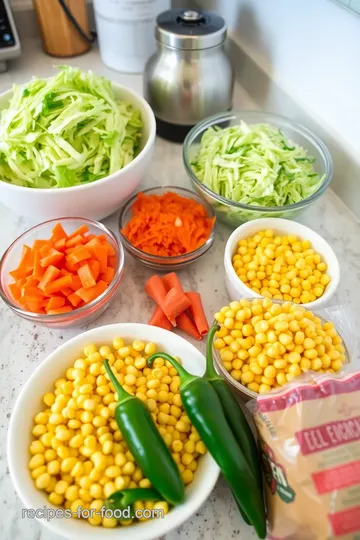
(310, 48)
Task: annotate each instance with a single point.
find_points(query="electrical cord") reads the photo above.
(70, 16)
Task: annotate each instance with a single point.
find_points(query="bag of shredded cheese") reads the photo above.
(310, 446)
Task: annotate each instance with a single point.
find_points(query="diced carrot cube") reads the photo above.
(111, 250)
(76, 282)
(89, 237)
(45, 250)
(53, 257)
(38, 244)
(58, 311)
(27, 257)
(60, 244)
(80, 231)
(20, 273)
(86, 277)
(36, 306)
(55, 302)
(93, 242)
(58, 232)
(75, 240)
(38, 270)
(95, 268)
(72, 268)
(66, 291)
(80, 254)
(100, 253)
(15, 291)
(58, 284)
(74, 299)
(111, 261)
(88, 295)
(50, 275)
(108, 275)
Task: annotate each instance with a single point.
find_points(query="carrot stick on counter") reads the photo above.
(184, 322)
(171, 280)
(170, 285)
(174, 303)
(155, 288)
(196, 311)
(159, 319)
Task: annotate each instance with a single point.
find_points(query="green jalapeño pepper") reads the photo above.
(233, 412)
(146, 444)
(124, 498)
(204, 408)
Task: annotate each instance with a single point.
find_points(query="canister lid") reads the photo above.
(190, 29)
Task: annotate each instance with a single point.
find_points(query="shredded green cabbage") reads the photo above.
(255, 165)
(66, 131)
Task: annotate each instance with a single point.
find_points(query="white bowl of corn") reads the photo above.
(262, 344)
(65, 450)
(280, 259)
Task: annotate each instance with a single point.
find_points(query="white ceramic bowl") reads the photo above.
(237, 289)
(29, 403)
(95, 200)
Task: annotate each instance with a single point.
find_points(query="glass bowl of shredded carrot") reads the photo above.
(62, 273)
(167, 227)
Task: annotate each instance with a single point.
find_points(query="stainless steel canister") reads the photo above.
(190, 76)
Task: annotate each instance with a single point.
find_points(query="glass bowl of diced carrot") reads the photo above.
(62, 273)
(167, 227)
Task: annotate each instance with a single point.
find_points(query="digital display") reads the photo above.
(7, 38)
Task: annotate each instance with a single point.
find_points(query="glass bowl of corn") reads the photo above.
(283, 260)
(262, 344)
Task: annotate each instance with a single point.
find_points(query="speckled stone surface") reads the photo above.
(23, 346)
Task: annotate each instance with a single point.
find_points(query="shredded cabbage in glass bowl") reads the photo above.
(252, 164)
(66, 131)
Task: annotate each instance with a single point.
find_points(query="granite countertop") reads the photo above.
(24, 345)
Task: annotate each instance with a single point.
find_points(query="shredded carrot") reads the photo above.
(168, 225)
(64, 272)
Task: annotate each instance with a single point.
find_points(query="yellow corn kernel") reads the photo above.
(43, 481)
(295, 370)
(254, 387)
(270, 372)
(56, 498)
(281, 379)
(305, 364)
(255, 368)
(279, 364)
(53, 467)
(336, 365)
(37, 447)
(36, 461)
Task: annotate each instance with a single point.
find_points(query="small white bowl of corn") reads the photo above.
(280, 259)
(65, 450)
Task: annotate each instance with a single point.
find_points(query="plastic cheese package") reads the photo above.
(310, 447)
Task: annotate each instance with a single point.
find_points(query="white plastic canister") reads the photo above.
(126, 31)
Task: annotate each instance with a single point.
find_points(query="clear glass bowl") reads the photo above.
(234, 213)
(238, 388)
(77, 317)
(157, 262)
